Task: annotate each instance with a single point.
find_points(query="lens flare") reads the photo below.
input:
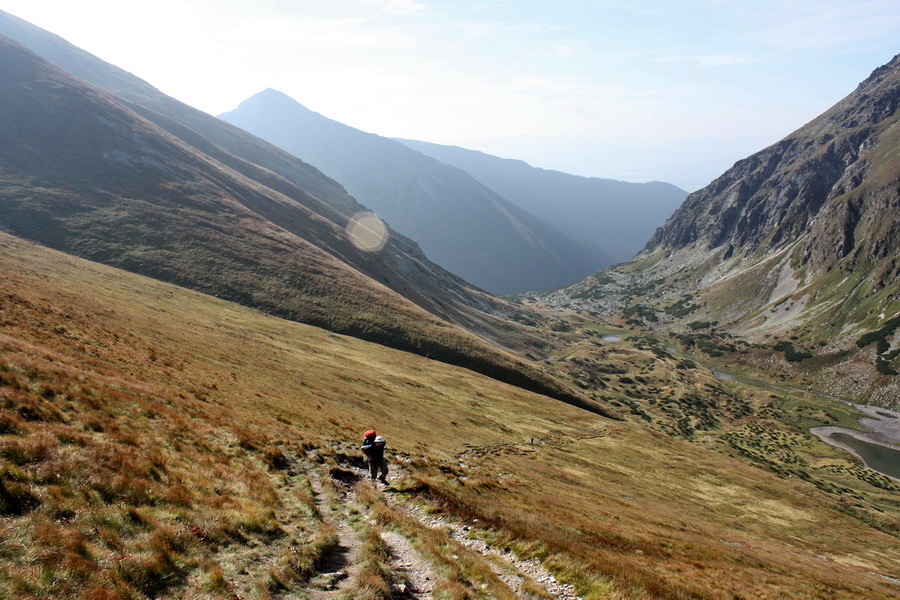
(367, 232)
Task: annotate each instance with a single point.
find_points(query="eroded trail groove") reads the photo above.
(336, 569)
(412, 577)
(526, 578)
(429, 554)
(416, 572)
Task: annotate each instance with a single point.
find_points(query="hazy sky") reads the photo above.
(675, 90)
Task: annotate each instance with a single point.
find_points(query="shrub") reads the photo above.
(640, 310)
(884, 367)
(681, 308)
(791, 353)
(880, 335)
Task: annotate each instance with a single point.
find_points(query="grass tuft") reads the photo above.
(297, 562)
(16, 498)
(374, 577)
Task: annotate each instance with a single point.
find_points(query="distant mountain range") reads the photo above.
(460, 223)
(160, 442)
(97, 163)
(618, 216)
(799, 241)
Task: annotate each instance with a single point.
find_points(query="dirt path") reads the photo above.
(336, 569)
(414, 577)
(415, 570)
(514, 571)
(523, 569)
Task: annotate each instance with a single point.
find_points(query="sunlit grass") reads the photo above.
(374, 575)
(152, 443)
(465, 575)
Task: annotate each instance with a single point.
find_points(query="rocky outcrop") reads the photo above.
(826, 183)
(800, 239)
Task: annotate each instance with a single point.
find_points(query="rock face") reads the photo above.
(799, 240)
(832, 185)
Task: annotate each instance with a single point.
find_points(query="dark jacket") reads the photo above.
(374, 451)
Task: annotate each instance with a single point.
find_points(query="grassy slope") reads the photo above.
(133, 412)
(81, 173)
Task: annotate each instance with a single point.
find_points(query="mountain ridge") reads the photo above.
(619, 215)
(461, 224)
(116, 188)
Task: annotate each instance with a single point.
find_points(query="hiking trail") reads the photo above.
(336, 568)
(523, 569)
(514, 571)
(412, 576)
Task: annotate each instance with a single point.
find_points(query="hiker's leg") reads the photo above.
(373, 468)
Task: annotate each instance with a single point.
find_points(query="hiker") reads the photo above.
(373, 447)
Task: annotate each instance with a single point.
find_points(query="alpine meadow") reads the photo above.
(193, 341)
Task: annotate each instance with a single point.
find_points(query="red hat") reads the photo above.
(369, 433)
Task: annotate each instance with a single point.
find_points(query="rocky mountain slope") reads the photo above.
(82, 172)
(618, 215)
(831, 185)
(799, 241)
(460, 223)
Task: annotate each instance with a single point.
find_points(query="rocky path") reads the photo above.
(414, 577)
(522, 571)
(336, 569)
(417, 573)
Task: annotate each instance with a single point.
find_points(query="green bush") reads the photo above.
(880, 335)
(791, 353)
(884, 367)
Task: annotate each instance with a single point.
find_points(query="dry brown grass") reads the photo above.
(374, 575)
(464, 574)
(150, 437)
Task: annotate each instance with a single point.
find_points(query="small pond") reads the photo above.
(877, 457)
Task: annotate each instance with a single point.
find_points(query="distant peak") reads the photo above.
(273, 93)
(273, 99)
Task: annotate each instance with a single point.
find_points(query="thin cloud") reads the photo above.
(823, 25)
(398, 7)
(311, 31)
(564, 50)
(712, 60)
